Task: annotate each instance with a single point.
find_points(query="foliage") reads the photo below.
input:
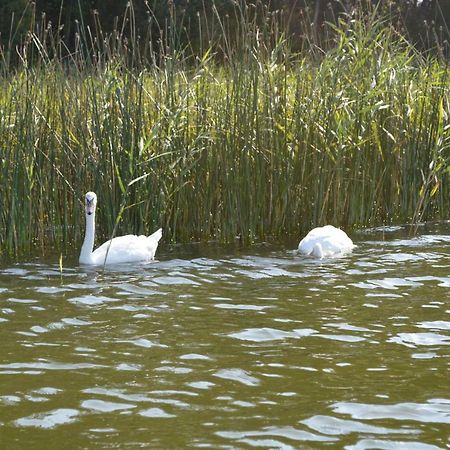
(261, 142)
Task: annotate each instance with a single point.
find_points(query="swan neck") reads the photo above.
(88, 244)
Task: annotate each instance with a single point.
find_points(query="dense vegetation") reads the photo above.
(248, 136)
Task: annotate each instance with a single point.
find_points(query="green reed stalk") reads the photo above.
(258, 142)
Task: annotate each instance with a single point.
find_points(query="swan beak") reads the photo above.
(90, 203)
(90, 208)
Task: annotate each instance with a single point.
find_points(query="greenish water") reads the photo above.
(215, 347)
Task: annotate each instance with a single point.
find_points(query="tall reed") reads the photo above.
(259, 142)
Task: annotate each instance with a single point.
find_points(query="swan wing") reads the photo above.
(334, 245)
(128, 248)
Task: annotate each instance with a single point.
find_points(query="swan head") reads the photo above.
(91, 202)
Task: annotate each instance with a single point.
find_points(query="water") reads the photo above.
(215, 347)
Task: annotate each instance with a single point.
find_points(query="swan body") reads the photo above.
(122, 249)
(323, 242)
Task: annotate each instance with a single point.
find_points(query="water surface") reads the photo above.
(216, 347)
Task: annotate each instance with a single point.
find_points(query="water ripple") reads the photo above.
(239, 375)
(335, 426)
(48, 420)
(417, 339)
(434, 411)
(290, 433)
(50, 366)
(155, 413)
(255, 346)
(270, 334)
(378, 444)
(103, 406)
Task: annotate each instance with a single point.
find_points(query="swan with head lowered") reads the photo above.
(324, 242)
(122, 249)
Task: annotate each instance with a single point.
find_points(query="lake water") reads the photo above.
(220, 347)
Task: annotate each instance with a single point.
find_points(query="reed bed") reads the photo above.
(262, 143)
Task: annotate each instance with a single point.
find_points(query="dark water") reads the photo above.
(212, 347)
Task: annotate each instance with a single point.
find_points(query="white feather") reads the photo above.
(323, 242)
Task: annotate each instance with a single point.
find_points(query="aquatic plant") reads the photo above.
(251, 141)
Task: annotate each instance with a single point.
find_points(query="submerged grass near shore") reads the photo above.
(266, 142)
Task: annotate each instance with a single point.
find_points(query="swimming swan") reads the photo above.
(123, 249)
(326, 241)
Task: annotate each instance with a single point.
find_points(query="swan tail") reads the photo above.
(156, 236)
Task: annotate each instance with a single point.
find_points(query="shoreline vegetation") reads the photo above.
(244, 139)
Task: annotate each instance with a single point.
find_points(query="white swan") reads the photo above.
(326, 241)
(122, 249)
